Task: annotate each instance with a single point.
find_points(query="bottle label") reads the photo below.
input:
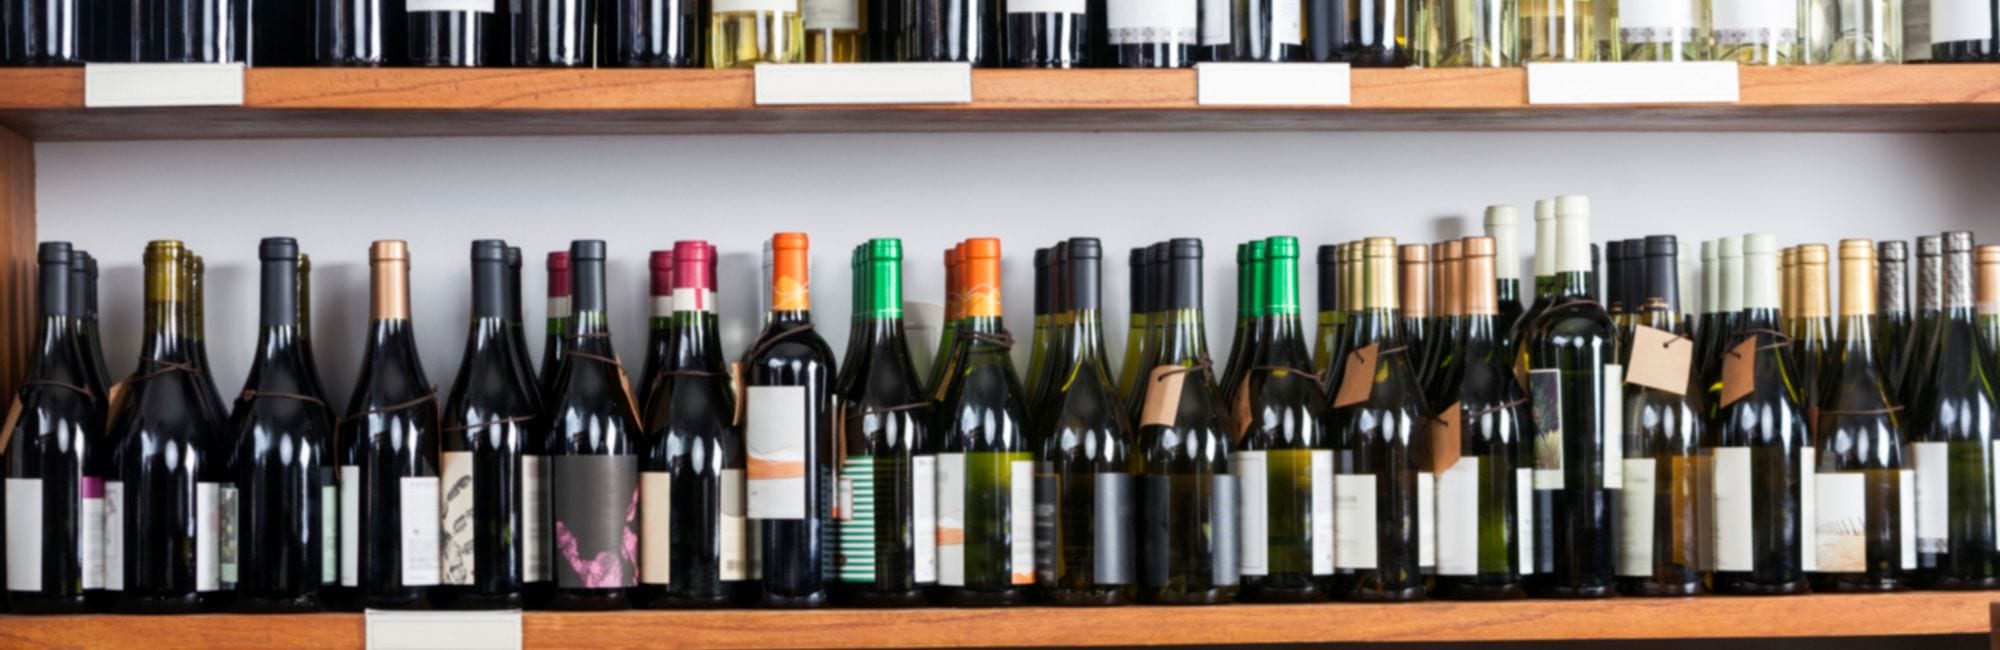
(350, 525)
(229, 507)
(832, 14)
(329, 529)
(417, 527)
(1224, 538)
(1254, 469)
(114, 535)
(1021, 521)
(1906, 518)
(596, 512)
(458, 532)
(737, 563)
(951, 519)
(1287, 22)
(474, 6)
(1322, 512)
(1215, 19)
(1809, 503)
(1115, 556)
(559, 307)
(1611, 417)
(1841, 530)
(1635, 518)
(24, 534)
(655, 528)
(534, 518)
(857, 527)
(1458, 518)
(697, 300)
(207, 537)
(1545, 390)
(924, 480)
(783, 6)
(775, 442)
(1045, 7)
(1932, 463)
(1427, 521)
(663, 306)
(1048, 493)
(1961, 20)
(1354, 525)
(91, 544)
(1139, 22)
(1733, 523)
(1524, 519)
(1659, 21)
(1739, 22)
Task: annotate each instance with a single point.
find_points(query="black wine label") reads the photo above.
(596, 504)
(1115, 555)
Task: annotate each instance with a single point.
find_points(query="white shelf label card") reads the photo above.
(470, 630)
(1701, 82)
(1273, 84)
(133, 85)
(864, 83)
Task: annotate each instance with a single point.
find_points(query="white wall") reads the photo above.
(642, 193)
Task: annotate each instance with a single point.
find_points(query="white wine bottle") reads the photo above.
(744, 33)
(1865, 529)
(1763, 453)
(1664, 30)
(1757, 32)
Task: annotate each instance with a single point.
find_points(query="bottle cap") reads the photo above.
(483, 250)
(55, 252)
(389, 249)
(789, 241)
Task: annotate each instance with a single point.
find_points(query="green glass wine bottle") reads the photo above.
(1954, 421)
(1812, 346)
(1485, 504)
(1545, 278)
(1038, 346)
(954, 312)
(1763, 453)
(1351, 275)
(1708, 329)
(1662, 511)
(1256, 277)
(1915, 370)
(1158, 263)
(1892, 301)
(1244, 297)
(1378, 412)
(1327, 336)
(1139, 300)
(1283, 458)
(1729, 252)
(1864, 529)
(1061, 312)
(1503, 224)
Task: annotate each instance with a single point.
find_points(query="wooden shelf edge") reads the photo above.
(1909, 614)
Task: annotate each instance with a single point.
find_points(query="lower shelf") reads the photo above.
(1695, 618)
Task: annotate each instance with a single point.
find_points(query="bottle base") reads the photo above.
(24, 603)
(1108, 598)
(180, 604)
(1449, 589)
(880, 599)
(1408, 595)
(471, 601)
(779, 601)
(266, 605)
(1216, 596)
(1288, 594)
(1652, 589)
(961, 597)
(1741, 584)
(1573, 593)
(589, 600)
(1850, 583)
(1944, 583)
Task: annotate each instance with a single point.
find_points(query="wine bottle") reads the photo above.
(1930, 316)
(1283, 459)
(389, 498)
(516, 333)
(653, 33)
(1353, 283)
(276, 505)
(1574, 384)
(1986, 285)
(1962, 31)
(659, 327)
(1441, 358)
(193, 31)
(1789, 292)
(1562, 30)
(886, 493)
(1084, 485)
(1855, 31)
(1466, 34)
(1485, 506)
(1380, 468)
(1414, 281)
(315, 387)
(1708, 328)
(1954, 422)
(1139, 302)
(1730, 252)
(1676, 30)
(592, 443)
(1271, 31)
(882, 30)
(1332, 318)
(1188, 498)
(557, 341)
(1663, 517)
(448, 33)
(41, 32)
(1633, 280)
(1757, 33)
(954, 313)
(553, 33)
(1159, 264)
(833, 30)
(354, 32)
(1151, 33)
(1614, 302)
(82, 292)
(1038, 345)
(1370, 33)
(1061, 312)
(1814, 343)
(1049, 34)
(1892, 325)
(1502, 222)
(695, 551)
(54, 509)
(965, 31)
(788, 433)
(1865, 524)
(162, 536)
(1248, 293)
(193, 277)
(1763, 454)
(488, 463)
(280, 32)
(1545, 281)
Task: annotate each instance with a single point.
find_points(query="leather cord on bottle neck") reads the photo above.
(86, 392)
(1201, 364)
(392, 408)
(164, 367)
(1379, 352)
(1891, 410)
(1778, 339)
(462, 426)
(693, 373)
(1295, 371)
(250, 394)
(1496, 408)
(900, 407)
(598, 358)
(1004, 339)
(773, 339)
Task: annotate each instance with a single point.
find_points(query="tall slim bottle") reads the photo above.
(1757, 33)
(1545, 279)
(1892, 325)
(1284, 455)
(448, 33)
(1446, 324)
(1633, 285)
(1152, 33)
(1159, 267)
(1865, 526)
(1353, 283)
(1663, 518)
(1614, 298)
(1380, 465)
(1575, 388)
(1930, 315)
(659, 327)
(1271, 31)
(41, 32)
(1084, 484)
(887, 489)
(1813, 343)
(1709, 329)
(1730, 252)
(788, 439)
(1038, 346)
(1374, 34)
(553, 33)
(1414, 282)
(1986, 286)
(556, 341)
(517, 332)
(162, 535)
(317, 389)
(355, 32)
(1502, 225)
(279, 523)
(1954, 421)
(1050, 33)
(1485, 506)
(1669, 30)
(1139, 302)
(195, 276)
(1763, 455)
(654, 33)
(744, 33)
(954, 314)
(82, 293)
(695, 548)
(1332, 318)
(833, 30)
(54, 535)
(986, 467)
(1252, 276)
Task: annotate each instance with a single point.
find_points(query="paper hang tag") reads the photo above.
(1661, 360)
(115, 400)
(1446, 437)
(1358, 382)
(625, 384)
(736, 386)
(1163, 396)
(1521, 372)
(1739, 371)
(1241, 409)
(13, 418)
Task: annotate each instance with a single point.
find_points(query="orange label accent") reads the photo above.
(1358, 382)
(1163, 396)
(1739, 371)
(790, 293)
(1021, 578)
(1660, 360)
(1447, 437)
(757, 469)
(951, 536)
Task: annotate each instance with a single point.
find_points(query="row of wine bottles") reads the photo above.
(1013, 33)
(1445, 442)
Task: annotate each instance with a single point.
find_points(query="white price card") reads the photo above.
(131, 85)
(1273, 84)
(470, 630)
(1701, 82)
(864, 83)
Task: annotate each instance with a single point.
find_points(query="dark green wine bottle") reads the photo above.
(1256, 334)
(1763, 454)
(1160, 285)
(1864, 526)
(1447, 324)
(1414, 282)
(1708, 329)
(196, 277)
(659, 323)
(1380, 481)
(1238, 341)
(1332, 316)
(1954, 423)
(1284, 457)
(1061, 312)
(1633, 286)
(82, 292)
(1662, 511)
(1038, 346)
(1729, 257)
(1485, 490)
(557, 341)
(1892, 299)
(1139, 299)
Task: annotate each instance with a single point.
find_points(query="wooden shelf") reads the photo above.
(1908, 614)
(47, 104)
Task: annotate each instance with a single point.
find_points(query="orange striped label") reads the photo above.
(758, 469)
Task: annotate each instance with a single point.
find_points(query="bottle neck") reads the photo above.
(1184, 339)
(696, 342)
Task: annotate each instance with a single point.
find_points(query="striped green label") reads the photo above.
(857, 524)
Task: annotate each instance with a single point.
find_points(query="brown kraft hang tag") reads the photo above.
(736, 386)
(1241, 409)
(1358, 381)
(1446, 437)
(1739, 371)
(1661, 360)
(1163, 396)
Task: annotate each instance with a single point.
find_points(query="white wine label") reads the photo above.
(329, 532)
(1021, 521)
(24, 534)
(1354, 525)
(559, 307)
(857, 521)
(207, 537)
(1254, 469)
(1906, 519)
(1545, 391)
(1458, 518)
(1635, 518)
(418, 529)
(687, 299)
(229, 507)
(1612, 417)
(923, 476)
(655, 528)
(1739, 22)
(1840, 531)
(1808, 501)
(1045, 7)
(1732, 510)
(663, 306)
(737, 563)
(1524, 519)
(90, 542)
(474, 6)
(1932, 463)
(114, 535)
(457, 532)
(1288, 22)
(1656, 21)
(534, 518)
(1215, 19)
(790, 6)
(1427, 530)
(951, 519)
(831, 14)
(1134, 22)
(775, 441)
(350, 525)
(1961, 20)
(1322, 512)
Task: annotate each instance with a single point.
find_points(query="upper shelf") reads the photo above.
(47, 104)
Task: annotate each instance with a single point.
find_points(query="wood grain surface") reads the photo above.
(17, 273)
